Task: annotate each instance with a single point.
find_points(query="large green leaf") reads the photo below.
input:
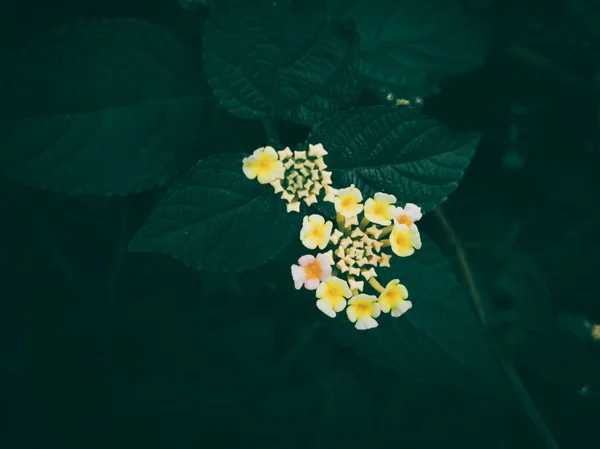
(101, 107)
(217, 219)
(438, 342)
(415, 43)
(397, 151)
(264, 58)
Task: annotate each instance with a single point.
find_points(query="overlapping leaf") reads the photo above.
(101, 107)
(415, 44)
(217, 219)
(438, 342)
(397, 151)
(263, 58)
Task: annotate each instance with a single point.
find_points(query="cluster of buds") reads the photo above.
(341, 274)
(357, 242)
(297, 175)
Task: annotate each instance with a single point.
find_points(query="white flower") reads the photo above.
(311, 271)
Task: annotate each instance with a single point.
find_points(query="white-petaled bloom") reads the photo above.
(393, 298)
(332, 295)
(362, 310)
(407, 215)
(315, 232)
(380, 209)
(311, 271)
(348, 202)
(404, 240)
(264, 164)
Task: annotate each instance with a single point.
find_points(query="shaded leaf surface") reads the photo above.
(262, 59)
(97, 107)
(217, 219)
(397, 151)
(415, 43)
(438, 342)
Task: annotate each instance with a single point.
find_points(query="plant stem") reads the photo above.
(511, 374)
(272, 132)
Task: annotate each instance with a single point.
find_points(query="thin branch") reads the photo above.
(511, 374)
(552, 68)
(464, 265)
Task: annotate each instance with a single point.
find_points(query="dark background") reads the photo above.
(99, 348)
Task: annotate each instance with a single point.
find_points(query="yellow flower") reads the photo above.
(315, 231)
(332, 295)
(380, 209)
(405, 240)
(348, 202)
(311, 270)
(407, 215)
(393, 297)
(264, 165)
(362, 310)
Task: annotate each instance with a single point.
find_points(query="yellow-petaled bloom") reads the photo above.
(407, 215)
(315, 232)
(393, 298)
(348, 201)
(332, 295)
(311, 271)
(380, 209)
(404, 240)
(264, 164)
(595, 332)
(362, 310)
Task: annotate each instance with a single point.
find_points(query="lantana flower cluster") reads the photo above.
(363, 239)
(297, 175)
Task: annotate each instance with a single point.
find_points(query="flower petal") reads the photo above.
(401, 308)
(366, 323)
(326, 308)
(413, 211)
(299, 276)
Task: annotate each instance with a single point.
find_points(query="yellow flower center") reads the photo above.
(379, 209)
(333, 291)
(402, 239)
(347, 201)
(265, 164)
(390, 297)
(403, 219)
(362, 308)
(313, 270)
(316, 232)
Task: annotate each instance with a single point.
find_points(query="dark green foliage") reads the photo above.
(217, 219)
(415, 44)
(101, 107)
(265, 58)
(441, 327)
(102, 347)
(397, 151)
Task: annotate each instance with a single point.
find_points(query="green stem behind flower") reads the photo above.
(511, 374)
(272, 132)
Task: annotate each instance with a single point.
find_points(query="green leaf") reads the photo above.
(263, 59)
(397, 151)
(99, 107)
(415, 43)
(438, 342)
(217, 219)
